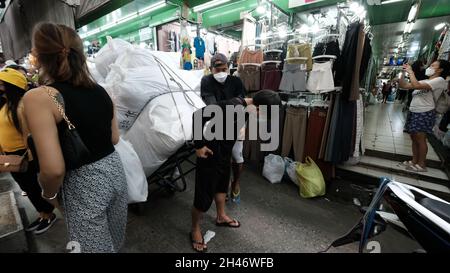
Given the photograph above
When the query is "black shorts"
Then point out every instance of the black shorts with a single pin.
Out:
(212, 176)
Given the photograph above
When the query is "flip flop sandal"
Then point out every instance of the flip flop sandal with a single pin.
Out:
(407, 163)
(420, 169)
(205, 248)
(411, 168)
(229, 224)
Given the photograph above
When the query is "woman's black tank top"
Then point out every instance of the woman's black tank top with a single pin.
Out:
(90, 110)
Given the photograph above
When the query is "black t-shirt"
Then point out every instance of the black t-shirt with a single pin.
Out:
(212, 91)
(91, 112)
(231, 92)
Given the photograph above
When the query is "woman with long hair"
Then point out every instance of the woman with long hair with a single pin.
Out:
(13, 85)
(93, 196)
(422, 115)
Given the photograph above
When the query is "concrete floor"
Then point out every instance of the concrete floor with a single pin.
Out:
(274, 219)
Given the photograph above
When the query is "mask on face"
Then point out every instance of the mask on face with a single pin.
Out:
(429, 72)
(221, 77)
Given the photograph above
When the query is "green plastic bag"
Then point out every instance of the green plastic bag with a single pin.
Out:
(312, 183)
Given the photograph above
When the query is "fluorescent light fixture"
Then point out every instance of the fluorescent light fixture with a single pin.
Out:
(153, 7)
(209, 5)
(390, 2)
(439, 26)
(261, 9)
(126, 18)
(86, 43)
(412, 13)
(85, 28)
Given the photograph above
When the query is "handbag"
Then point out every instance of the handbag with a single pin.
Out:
(13, 163)
(75, 152)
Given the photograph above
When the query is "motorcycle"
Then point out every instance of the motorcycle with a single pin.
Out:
(416, 213)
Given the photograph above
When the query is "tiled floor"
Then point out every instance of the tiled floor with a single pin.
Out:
(383, 131)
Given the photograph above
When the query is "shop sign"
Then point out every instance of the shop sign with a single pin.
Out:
(145, 34)
(298, 3)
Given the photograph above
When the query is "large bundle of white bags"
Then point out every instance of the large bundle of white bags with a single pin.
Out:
(154, 98)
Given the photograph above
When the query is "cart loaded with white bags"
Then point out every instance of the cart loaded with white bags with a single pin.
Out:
(154, 101)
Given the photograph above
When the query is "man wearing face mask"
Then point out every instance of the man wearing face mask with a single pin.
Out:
(214, 157)
(220, 86)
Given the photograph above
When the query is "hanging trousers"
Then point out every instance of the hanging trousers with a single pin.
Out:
(294, 133)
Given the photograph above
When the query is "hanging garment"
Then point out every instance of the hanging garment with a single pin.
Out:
(294, 132)
(367, 54)
(251, 56)
(200, 48)
(250, 76)
(359, 126)
(332, 131)
(346, 65)
(270, 76)
(354, 90)
(330, 48)
(343, 137)
(272, 56)
(316, 125)
(325, 139)
(321, 78)
(300, 50)
(294, 78)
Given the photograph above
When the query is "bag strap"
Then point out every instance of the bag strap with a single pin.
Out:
(60, 107)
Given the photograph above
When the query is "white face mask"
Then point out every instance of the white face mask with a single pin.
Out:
(221, 77)
(430, 72)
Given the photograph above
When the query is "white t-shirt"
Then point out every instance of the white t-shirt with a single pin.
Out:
(423, 100)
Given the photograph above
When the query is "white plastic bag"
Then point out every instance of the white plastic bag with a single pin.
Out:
(291, 166)
(136, 180)
(108, 55)
(273, 168)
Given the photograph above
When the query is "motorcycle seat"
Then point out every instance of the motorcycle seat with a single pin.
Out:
(439, 208)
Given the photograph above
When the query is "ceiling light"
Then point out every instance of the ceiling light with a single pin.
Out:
(390, 2)
(261, 9)
(439, 26)
(86, 43)
(85, 28)
(412, 13)
(209, 5)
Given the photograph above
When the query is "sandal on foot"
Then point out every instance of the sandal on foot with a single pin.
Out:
(205, 248)
(407, 163)
(420, 169)
(232, 224)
